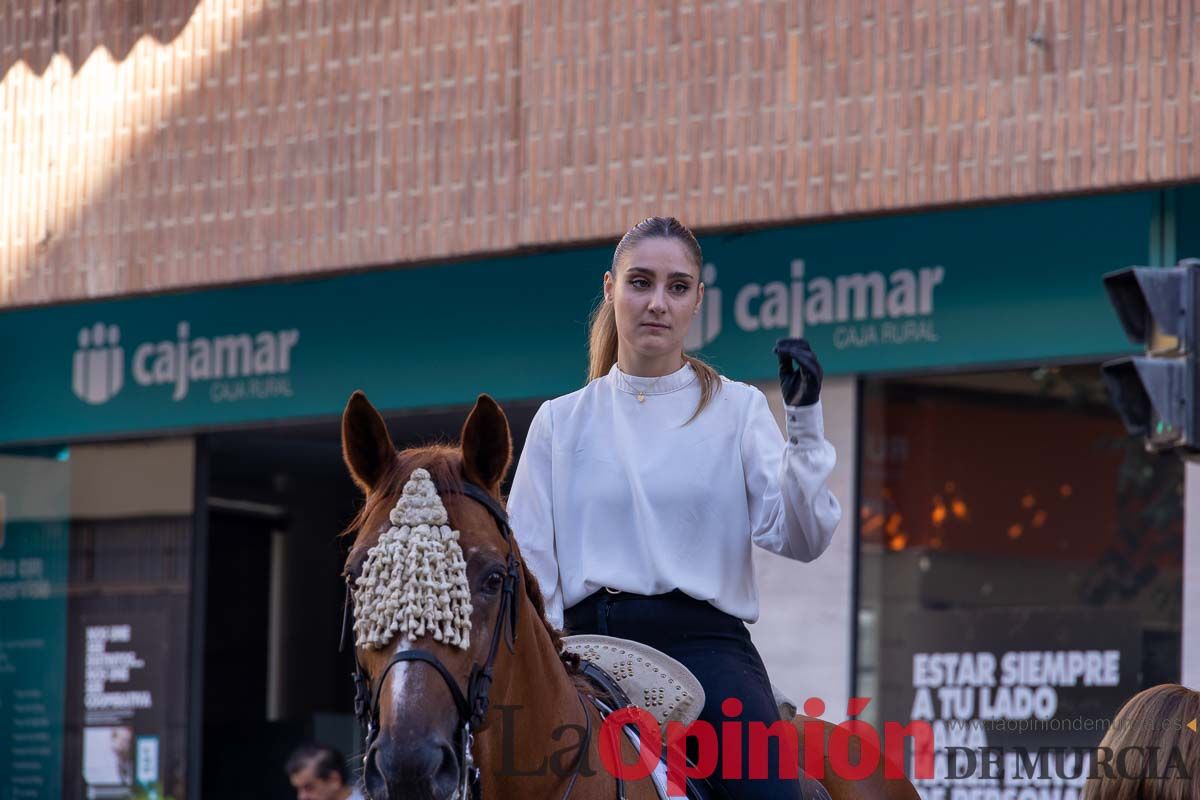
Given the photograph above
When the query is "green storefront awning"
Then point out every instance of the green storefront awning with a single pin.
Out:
(972, 286)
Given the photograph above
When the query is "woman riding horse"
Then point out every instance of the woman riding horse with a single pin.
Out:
(461, 683)
(637, 498)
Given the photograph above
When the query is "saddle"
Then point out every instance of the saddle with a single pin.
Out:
(638, 675)
(634, 674)
(619, 670)
(625, 673)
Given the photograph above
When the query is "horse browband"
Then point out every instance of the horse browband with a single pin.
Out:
(473, 706)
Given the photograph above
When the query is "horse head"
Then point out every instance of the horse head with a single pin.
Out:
(432, 594)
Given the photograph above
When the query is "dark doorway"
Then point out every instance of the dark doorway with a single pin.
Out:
(273, 677)
(237, 646)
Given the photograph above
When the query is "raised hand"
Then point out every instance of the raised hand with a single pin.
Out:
(800, 372)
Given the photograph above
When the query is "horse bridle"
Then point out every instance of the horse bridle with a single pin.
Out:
(472, 706)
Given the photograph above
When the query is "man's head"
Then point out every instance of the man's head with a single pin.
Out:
(317, 772)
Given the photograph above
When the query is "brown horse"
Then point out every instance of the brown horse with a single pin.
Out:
(527, 743)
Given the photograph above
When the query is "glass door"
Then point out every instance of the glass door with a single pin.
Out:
(34, 539)
(96, 558)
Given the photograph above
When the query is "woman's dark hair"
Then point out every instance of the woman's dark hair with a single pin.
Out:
(1153, 727)
(324, 760)
(602, 334)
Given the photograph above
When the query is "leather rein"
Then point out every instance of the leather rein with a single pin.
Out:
(473, 705)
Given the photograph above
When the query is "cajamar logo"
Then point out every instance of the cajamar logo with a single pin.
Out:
(864, 309)
(236, 366)
(99, 366)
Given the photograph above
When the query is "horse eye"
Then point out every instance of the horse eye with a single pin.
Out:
(493, 582)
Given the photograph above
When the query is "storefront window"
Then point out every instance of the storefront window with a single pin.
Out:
(95, 603)
(35, 498)
(1020, 563)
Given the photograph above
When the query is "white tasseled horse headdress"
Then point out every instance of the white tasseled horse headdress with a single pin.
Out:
(414, 581)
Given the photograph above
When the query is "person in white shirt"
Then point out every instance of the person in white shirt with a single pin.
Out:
(637, 498)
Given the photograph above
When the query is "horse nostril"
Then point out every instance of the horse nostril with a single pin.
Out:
(373, 780)
(428, 769)
(445, 780)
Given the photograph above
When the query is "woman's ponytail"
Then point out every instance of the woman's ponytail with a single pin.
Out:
(602, 340)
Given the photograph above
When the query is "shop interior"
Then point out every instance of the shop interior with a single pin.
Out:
(1010, 511)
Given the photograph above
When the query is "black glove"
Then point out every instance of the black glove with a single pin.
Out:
(801, 386)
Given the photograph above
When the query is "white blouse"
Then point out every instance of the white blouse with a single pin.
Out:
(612, 492)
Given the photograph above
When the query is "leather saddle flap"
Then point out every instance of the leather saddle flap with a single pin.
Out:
(651, 679)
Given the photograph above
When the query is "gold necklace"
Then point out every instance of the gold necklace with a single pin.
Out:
(641, 394)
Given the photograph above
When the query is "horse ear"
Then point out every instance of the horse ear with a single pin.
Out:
(366, 446)
(486, 445)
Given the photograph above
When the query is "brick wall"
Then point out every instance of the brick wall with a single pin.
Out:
(152, 145)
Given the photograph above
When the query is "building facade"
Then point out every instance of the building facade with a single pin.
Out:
(196, 143)
(220, 218)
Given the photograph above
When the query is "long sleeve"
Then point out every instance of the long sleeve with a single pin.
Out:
(792, 511)
(613, 492)
(531, 511)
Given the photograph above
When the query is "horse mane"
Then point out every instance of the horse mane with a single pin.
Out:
(444, 464)
(534, 591)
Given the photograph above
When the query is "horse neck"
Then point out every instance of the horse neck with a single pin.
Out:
(533, 698)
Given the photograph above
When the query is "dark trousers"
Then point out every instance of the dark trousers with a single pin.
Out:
(716, 647)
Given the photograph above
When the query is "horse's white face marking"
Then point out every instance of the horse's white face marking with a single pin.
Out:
(399, 677)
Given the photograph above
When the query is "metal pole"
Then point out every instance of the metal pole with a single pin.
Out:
(275, 627)
(199, 602)
(1191, 576)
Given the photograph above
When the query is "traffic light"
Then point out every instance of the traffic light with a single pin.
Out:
(1156, 394)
